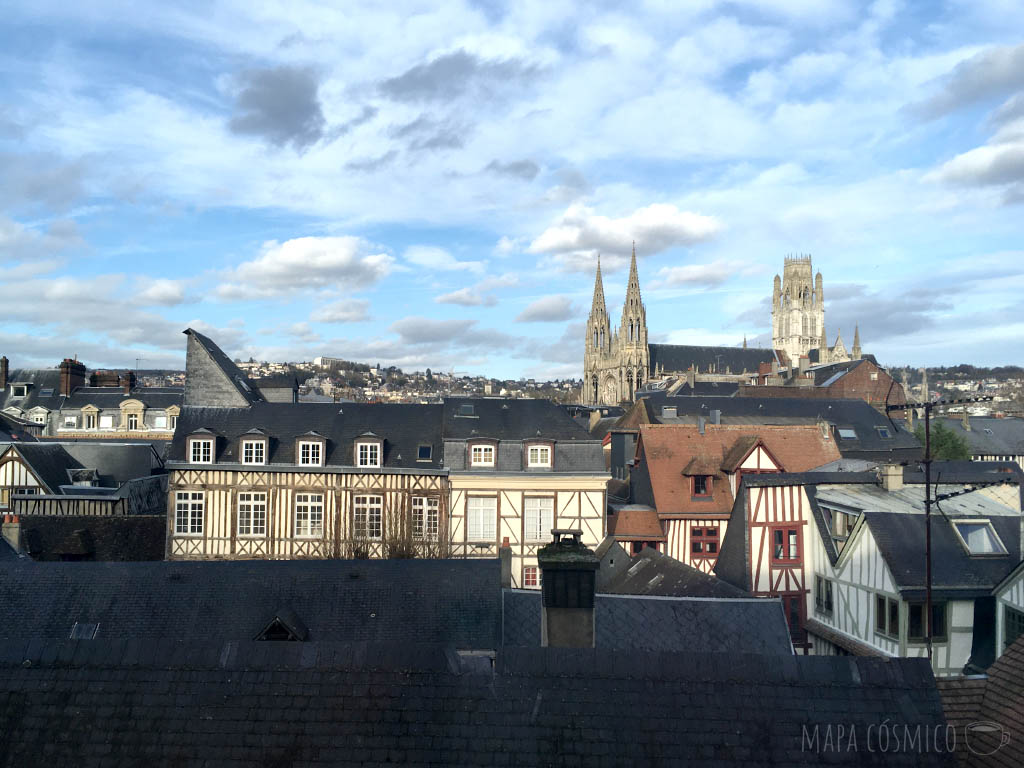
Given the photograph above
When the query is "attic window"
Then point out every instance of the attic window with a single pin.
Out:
(884, 433)
(466, 409)
(979, 537)
(424, 453)
(82, 631)
(846, 433)
(19, 390)
(285, 626)
(47, 392)
(669, 412)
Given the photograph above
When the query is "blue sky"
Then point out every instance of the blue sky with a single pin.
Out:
(428, 184)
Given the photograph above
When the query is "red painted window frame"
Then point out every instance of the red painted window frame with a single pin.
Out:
(536, 576)
(799, 559)
(708, 489)
(705, 539)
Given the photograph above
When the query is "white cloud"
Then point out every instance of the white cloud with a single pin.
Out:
(306, 263)
(432, 257)
(160, 291)
(549, 309)
(467, 297)
(698, 275)
(990, 73)
(344, 311)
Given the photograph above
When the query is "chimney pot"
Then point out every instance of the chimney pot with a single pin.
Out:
(568, 578)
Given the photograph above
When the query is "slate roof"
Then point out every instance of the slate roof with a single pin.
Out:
(677, 358)
(990, 436)
(15, 430)
(39, 379)
(443, 601)
(648, 623)
(115, 462)
(116, 538)
(402, 426)
(839, 413)
(239, 380)
(508, 419)
(277, 381)
(704, 388)
(290, 704)
(654, 573)
(112, 397)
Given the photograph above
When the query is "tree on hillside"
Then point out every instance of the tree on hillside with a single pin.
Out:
(946, 444)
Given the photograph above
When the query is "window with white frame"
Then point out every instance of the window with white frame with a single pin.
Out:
(252, 514)
(133, 421)
(19, 390)
(174, 421)
(979, 537)
(70, 422)
(538, 456)
(482, 513)
(367, 517)
(89, 420)
(310, 453)
(200, 451)
(160, 421)
(309, 515)
(39, 417)
(531, 577)
(424, 517)
(539, 517)
(107, 421)
(188, 513)
(481, 455)
(368, 454)
(254, 452)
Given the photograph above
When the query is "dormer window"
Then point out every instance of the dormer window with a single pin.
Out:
(311, 453)
(19, 390)
(701, 486)
(466, 409)
(538, 456)
(481, 455)
(200, 450)
(254, 451)
(978, 537)
(669, 412)
(368, 453)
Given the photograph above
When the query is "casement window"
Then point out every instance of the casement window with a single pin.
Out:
(701, 486)
(368, 454)
(539, 518)
(531, 577)
(89, 420)
(200, 451)
(1013, 625)
(39, 418)
(887, 616)
(310, 453)
(188, 513)
(704, 541)
(823, 595)
(424, 517)
(481, 455)
(916, 629)
(367, 517)
(132, 421)
(107, 421)
(70, 422)
(785, 545)
(254, 451)
(538, 456)
(160, 421)
(174, 422)
(309, 515)
(252, 514)
(481, 512)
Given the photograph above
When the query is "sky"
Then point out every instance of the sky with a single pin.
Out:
(429, 184)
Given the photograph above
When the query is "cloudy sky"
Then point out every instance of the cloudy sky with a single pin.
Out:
(429, 185)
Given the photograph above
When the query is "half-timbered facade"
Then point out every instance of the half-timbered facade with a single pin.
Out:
(316, 480)
(690, 474)
(1009, 597)
(518, 469)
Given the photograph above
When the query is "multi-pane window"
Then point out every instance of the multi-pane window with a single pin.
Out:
(887, 616)
(704, 541)
(39, 418)
(90, 420)
(916, 629)
(1013, 625)
(481, 456)
(823, 595)
(70, 422)
(309, 514)
(538, 456)
(539, 517)
(424, 517)
(188, 513)
(701, 485)
(367, 519)
(133, 421)
(368, 455)
(252, 514)
(531, 577)
(482, 512)
(254, 452)
(201, 451)
(311, 453)
(785, 545)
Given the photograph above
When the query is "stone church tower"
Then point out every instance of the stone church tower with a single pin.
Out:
(616, 365)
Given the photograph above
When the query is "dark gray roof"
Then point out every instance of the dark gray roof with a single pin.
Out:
(445, 601)
(241, 382)
(403, 428)
(866, 422)
(707, 389)
(15, 430)
(112, 397)
(508, 419)
(277, 381)
(88, 702)
(900, 537)
(39, 380)
(989, 436)
(115, 462)
(826, 375)
(7, 553)
(627, 622)
(653, 573)
(676, 358)
(120, 538)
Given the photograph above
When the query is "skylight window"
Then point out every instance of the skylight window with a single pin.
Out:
(845, 433)
(979, 537)
(466, 410)
(884, 432)
(83, 631)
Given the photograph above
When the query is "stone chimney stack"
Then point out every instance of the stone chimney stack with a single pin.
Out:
(72, 375)
(891, 476)
(568, 578)
(965, 420)
(505, 555)
(4, 371)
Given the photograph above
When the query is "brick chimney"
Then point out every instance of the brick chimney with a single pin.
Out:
(891, 476)
(72, 375)
(4, 363)
(128, 381)
(568, 576)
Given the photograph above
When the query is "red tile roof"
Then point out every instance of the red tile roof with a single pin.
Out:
(636, 522)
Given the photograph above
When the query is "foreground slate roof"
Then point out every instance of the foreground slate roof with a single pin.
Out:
(446, 601)
(509, 419)
(990, 436)
(628, 622)
(115, 462)
(303, 704)
(652, 573)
